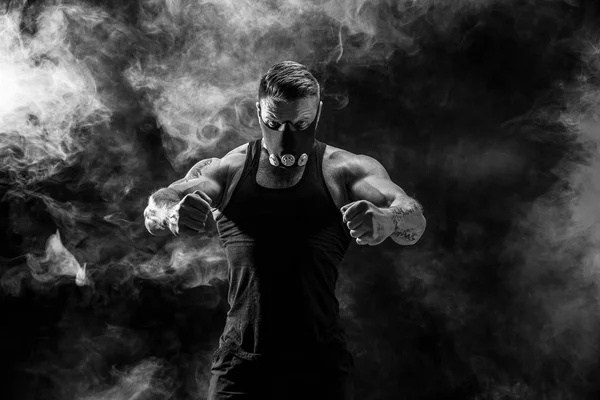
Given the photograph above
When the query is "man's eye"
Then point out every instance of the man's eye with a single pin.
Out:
(272, 125)
(302, 125)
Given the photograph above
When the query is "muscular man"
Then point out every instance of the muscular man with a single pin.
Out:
(287, 207)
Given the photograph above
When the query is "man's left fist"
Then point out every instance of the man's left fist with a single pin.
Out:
(367, 223)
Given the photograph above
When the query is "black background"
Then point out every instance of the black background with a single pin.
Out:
(484, 111)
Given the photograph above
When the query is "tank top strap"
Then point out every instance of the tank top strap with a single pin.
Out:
(256, 149)
(252, 158)
(319, 153)
(318, 171)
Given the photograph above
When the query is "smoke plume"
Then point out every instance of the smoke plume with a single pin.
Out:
(484, 111)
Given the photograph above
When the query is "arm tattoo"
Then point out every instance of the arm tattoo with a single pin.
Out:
(401, 215)
(198, 169)
(409, 235)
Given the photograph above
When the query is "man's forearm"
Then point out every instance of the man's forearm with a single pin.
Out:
(156, 214)
(409, 222)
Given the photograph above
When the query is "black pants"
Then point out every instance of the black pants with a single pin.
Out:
(239, 375)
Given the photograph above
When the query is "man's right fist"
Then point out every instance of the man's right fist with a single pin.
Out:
(190, 214)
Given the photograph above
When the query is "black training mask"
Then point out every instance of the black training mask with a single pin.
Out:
(289, 148)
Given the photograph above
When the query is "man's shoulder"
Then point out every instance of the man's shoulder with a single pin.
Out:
(219, 169)
(241, 149)
(335, 154)
(347, 163)
(338, 158)
(236, 157)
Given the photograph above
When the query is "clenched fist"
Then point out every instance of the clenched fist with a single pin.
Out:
(367, 223)
(190, 214)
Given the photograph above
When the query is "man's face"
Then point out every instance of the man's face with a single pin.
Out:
(277, 115)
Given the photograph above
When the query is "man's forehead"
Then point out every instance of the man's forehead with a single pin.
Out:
(304, 104)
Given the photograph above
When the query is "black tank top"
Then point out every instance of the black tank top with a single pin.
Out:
(283, 249)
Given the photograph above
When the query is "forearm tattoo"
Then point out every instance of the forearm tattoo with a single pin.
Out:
(404, 226)
(410, 235)
(198, 169)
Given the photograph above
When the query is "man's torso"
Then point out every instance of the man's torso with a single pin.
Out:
(284, 239)
(267, 176)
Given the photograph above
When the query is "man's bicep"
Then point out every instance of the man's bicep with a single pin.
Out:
(207, 176)
(380, 191)
(208, 168)
(368, 180)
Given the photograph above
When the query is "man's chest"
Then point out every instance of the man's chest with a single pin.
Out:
(331, 172)
(332, 176)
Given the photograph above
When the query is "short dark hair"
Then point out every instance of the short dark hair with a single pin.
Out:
(288, 81)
